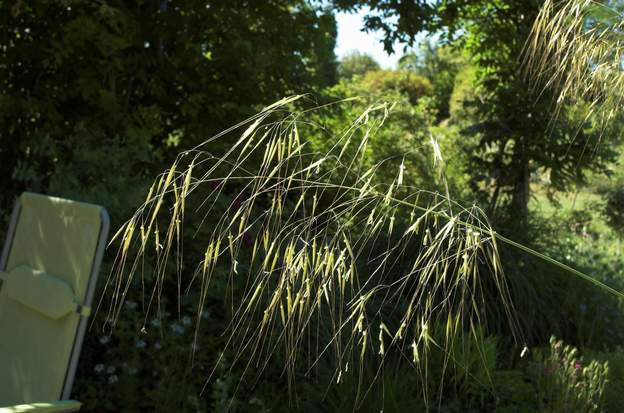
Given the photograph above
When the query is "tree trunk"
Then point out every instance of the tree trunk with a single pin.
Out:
(520, 197)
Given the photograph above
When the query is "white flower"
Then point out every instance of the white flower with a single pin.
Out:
(113, 379)
(104, 339)
(98, 368)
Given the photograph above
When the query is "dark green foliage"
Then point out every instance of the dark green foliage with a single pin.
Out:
(458, 382)
(152, 73)
(94, 96)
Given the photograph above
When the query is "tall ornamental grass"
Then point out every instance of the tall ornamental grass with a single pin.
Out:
(324, 261)
(576, 46)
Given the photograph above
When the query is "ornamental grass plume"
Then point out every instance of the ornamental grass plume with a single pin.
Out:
(326, 261)
(576, 47)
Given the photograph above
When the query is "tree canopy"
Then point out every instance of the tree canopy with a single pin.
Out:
(143, 77)
(514, 130)
(356, 63)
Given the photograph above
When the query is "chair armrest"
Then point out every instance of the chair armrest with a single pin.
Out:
(62, 406)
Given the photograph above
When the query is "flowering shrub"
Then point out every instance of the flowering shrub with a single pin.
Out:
(566, 382)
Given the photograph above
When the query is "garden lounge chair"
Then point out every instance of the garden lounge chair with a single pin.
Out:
(48, 272)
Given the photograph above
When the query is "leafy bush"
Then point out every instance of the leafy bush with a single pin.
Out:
(379, 82)
(514, 392)
(356, 64)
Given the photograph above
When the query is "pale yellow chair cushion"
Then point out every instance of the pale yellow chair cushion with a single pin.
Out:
(50, 296)
(46, 276)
